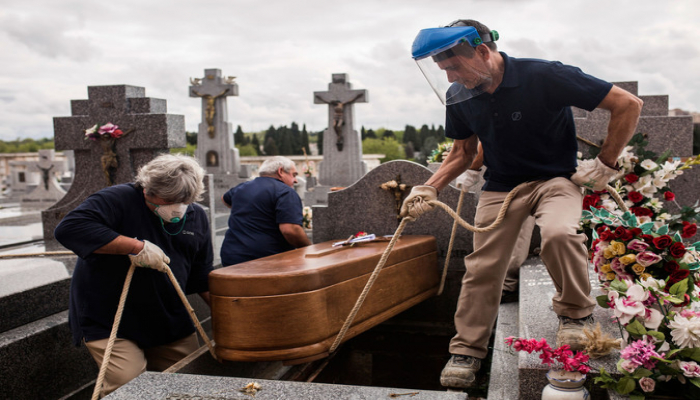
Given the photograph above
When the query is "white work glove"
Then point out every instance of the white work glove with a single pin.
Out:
(416, 204)
(151, 256)
(470, 178)
(593, 174)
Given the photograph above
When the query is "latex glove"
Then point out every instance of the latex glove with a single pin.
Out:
(593, 174)
(151, 256)
(471, 178)
(416, 204)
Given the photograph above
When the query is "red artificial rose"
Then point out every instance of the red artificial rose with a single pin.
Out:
(671, 267)
(601, 229)
(607, 236)
(648, 239)
(669, 196)
(641, 211)
(590, 200)
(662, 241)
(116, 134)
(686, 301)
(635, 197)
(679, 275)
(636, 231)
(677, 250)
(631, 178)
(622, 233)
(689, 230)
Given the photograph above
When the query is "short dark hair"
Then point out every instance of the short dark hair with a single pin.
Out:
(482, 29)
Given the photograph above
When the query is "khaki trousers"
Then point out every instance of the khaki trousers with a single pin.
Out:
(556, 206)
(520, 253)
(128, 361)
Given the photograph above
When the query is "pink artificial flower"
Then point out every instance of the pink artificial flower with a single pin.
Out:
(642, 353)
(647, 258)
(647, 384)
(690, 369)
(629, 366)
(619, 269)
(637, 245)
(107, 128)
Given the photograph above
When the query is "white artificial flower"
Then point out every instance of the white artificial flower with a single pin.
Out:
(648, 164)
(610, 205)
(643, 181)
(643, 219)
(691, 256)
(648, 190)
(655, 204)
(663, 216)
(658, 182)
(685, 331)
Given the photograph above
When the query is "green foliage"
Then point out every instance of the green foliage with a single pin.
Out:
(247, 150)
(188, 150)
(696, 139)
(25, 145)
(191, 138)
(391, 148)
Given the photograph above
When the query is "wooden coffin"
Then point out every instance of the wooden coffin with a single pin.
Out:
(290, 306)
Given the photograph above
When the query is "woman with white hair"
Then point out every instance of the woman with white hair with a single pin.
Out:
(266, 214)
(153, 223)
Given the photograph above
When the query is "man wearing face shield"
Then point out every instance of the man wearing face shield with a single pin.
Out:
(155, 224)
(519, 109)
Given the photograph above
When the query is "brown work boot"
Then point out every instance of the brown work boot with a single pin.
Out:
(571, 332)
(460, 371)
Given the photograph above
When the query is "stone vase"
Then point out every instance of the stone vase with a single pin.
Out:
(565, 385)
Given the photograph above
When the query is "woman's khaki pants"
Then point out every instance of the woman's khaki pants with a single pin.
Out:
(128, 361)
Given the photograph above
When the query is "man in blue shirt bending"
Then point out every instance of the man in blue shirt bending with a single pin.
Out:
(266, 214)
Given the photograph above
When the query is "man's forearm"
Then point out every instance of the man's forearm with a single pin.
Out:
(460, 158)
(625, 109)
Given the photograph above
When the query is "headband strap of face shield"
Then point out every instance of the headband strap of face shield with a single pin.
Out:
(447, 58)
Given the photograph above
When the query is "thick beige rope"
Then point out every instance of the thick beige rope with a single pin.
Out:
(390, 246)
(118, 317)
(458, 220)
(38, 254)
(113, 335)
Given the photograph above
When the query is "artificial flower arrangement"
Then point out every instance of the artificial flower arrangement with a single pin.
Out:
(440, 153)
(309, 168)
(649, 274)
(643, 185)
(106, 131)
(307, 219)
(560, 358)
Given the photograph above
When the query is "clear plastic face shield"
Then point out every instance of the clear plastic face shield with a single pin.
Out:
(448, 60)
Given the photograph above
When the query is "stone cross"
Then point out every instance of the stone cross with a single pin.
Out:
(47, 167)
(215, 145)
(49, 191)
(342, 146)
(148, 132)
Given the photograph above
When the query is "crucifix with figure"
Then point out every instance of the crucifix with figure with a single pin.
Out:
(338, 96)
(151, 131)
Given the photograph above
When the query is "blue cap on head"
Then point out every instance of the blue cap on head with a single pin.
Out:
(432, 41)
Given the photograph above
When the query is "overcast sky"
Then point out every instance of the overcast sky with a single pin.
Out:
(281, 51)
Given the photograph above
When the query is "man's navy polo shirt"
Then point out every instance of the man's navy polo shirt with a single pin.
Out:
(526, 126)
(257, 209)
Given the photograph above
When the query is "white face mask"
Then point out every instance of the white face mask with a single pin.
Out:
(173, 213)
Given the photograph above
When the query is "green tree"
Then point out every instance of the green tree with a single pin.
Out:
(191, 138)
(256, 144)
(239, 137)
(246, 150)
(388, 134)
(391, 149)
(270, 147)
(305, 140)
(370, 134)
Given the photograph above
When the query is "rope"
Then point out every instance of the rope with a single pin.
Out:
(43, 253)
(458, 220)
(449, 247)
(390, 246)
(118, 317)
(113, 334)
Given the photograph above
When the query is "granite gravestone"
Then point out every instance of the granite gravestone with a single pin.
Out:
(49, 191)
(148, 130)
(215, 144)
(342, 163)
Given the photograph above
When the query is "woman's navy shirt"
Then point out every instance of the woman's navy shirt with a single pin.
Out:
(154, 314)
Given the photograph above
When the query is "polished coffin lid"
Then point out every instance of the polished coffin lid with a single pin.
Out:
(312, 267)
